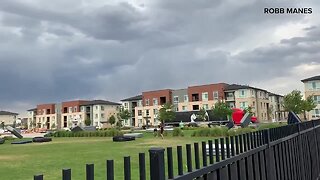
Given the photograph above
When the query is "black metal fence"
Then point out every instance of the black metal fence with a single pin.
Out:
(289, 152)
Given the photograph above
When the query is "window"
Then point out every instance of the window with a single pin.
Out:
(316, 99)
(155, 101)
(102, 115)
(314, 85)
(206, 106)
(102, 108)
(147, 112)
(147, 102)
(185, 98)
(140, 103)
(216, 95)
(176, 109)
(155, 111)
(316, 113)
(205, 96)
(184, 108)
(82, 109)
(175, 99)
(195, 97)
(242, 93)
(96, 116)
(70, 109)
(139, 112)
(195, 107)
(75, 109)
(126, 105)
(80, 117)
(96, 107)
(243, 105)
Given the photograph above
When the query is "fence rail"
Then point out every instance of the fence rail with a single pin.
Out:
(288, 152)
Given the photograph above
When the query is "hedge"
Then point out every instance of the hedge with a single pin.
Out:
(104, 133)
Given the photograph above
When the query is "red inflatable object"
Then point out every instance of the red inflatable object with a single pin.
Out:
(238, 114)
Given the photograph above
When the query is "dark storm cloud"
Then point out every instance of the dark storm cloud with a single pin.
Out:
(63, 50)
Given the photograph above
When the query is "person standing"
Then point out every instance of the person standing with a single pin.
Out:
(161, 130)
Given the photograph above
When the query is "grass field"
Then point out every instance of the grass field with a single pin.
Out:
(21, 162)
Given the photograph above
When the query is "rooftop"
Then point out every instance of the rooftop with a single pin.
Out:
(237, 86)
(8, 113)
(314, 78)
(134, 98)
(101, 102)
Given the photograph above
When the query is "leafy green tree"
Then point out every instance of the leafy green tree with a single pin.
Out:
(53, 125)
(112, 119)
(166, 113)
(294, 102)
(124, 114)
(87, 122)
(221, 110)
(308, 105)
(248, 110)
(202, 114)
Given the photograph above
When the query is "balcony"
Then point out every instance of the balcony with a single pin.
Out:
(230, 98)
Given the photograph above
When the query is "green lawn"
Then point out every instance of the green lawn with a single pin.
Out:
(21, 162)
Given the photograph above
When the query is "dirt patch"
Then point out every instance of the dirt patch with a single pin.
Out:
(11, 157)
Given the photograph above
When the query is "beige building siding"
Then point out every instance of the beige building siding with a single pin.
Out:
(8, 119)
(74, 118)
(42, 120)
(143, 113)
(311, 91)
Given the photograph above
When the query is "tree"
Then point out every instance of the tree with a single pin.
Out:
(112, 119)
(202, 114)
(166, 113)
(124, 114)
(308, 105)
(294, 102)
(221, 110)
(87, 122)
(53, 125)
(248, 110)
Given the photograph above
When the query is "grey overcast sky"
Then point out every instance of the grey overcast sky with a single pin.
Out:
(51, 51)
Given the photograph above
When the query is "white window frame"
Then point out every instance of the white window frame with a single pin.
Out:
(175, 99)
(186, 98)
(215, 95)
(203, 96)
(147, 102)
(155, 101)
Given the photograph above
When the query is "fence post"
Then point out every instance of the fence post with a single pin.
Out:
(301, 165)
(90, 171)
(66, 174)
(157, 169)
(110, 170)
(38, 177)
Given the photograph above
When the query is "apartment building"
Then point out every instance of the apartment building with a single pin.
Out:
(277, 111)
(31, 116)
(48, 115)
(205, 96)
(147, 114)
(73, 113)
(99, 112)
(312, 88)
(243, 96)
(130, 104)
(8, 118)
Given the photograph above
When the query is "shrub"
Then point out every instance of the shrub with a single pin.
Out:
(270, 125)
(103, 133)
(210, 132)
(177, 132)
